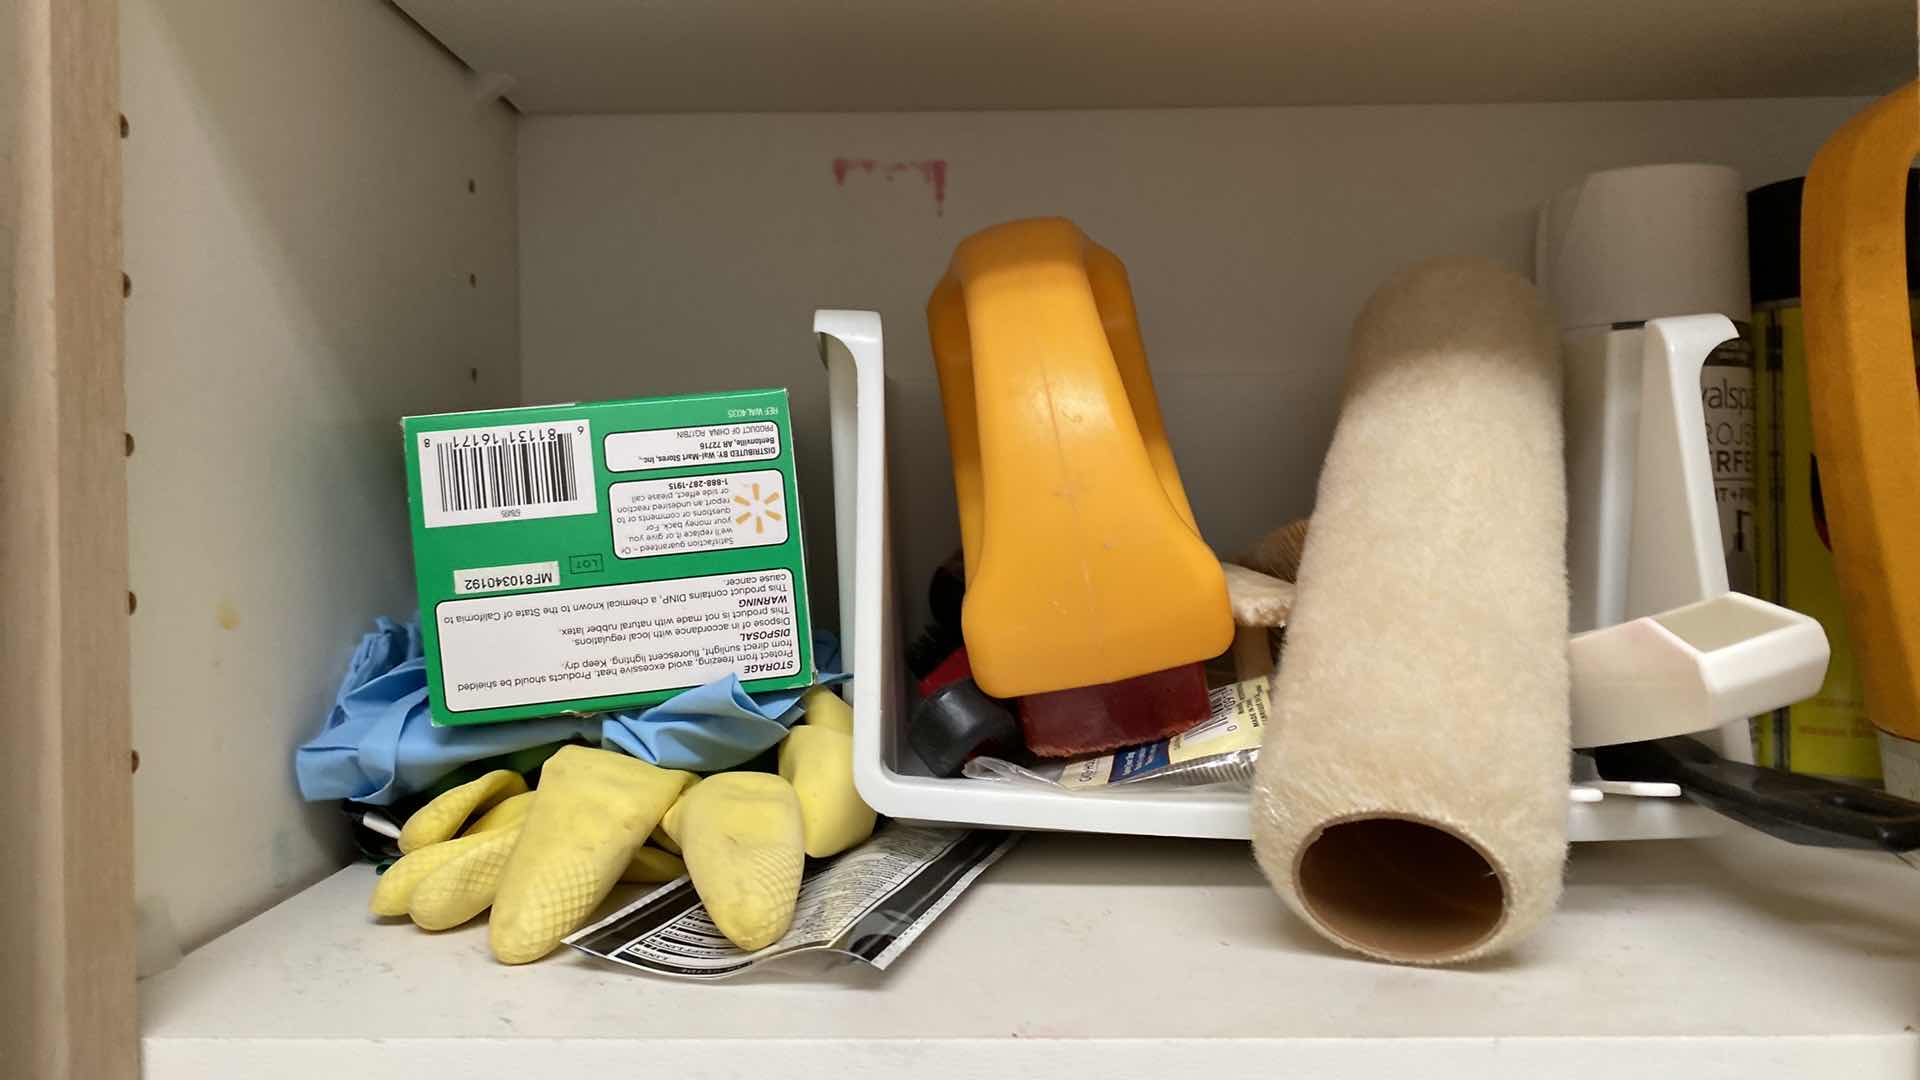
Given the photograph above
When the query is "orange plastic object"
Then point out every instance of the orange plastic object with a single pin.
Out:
(1083, 562)
(1860, 378)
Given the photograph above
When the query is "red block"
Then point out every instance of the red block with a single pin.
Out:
(951, 670)
(1089, 719)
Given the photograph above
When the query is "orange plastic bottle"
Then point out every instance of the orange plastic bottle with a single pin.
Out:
(1084, 566)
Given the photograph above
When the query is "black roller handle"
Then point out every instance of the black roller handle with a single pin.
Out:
(1798, 809)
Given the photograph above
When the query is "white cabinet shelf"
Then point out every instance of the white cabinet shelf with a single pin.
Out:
(1734, 957)
(574, 56)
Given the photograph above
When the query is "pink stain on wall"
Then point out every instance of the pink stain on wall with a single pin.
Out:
(843, 166)
(932, 173)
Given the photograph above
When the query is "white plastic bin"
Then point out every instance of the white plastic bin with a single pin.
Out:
(888, 774)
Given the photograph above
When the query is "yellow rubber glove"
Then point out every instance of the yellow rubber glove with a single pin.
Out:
(661, 840)
(744, 844)
(443, 885)
(818, 762)
(393, 893)
(594, 810)
(441, 819)
(650, 864)
(824, 709)
(506, 813)
(465, 885)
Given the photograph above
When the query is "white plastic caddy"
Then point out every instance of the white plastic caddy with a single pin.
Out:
(892, 781)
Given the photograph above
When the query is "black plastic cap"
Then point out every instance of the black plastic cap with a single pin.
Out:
(959, 722)
(948, 590)
(1773, 238)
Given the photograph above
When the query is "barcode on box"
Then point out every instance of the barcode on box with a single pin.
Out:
(470, 476)
(505, 474)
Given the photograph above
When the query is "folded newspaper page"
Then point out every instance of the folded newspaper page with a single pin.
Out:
(868, 904)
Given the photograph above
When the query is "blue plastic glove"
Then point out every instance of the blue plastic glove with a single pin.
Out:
(719, 725)
(379, 743)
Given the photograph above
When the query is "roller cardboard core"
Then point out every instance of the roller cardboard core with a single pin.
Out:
(1404, 890)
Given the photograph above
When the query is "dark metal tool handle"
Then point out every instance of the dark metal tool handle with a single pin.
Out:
(1799, 809)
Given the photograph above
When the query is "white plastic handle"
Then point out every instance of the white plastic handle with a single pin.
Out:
(1712, 663)
(1688, 654)
(1676, 557)
(847, 338)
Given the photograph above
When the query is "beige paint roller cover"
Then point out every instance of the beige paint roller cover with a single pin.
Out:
(1411, 799)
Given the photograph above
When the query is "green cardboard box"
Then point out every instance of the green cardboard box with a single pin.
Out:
(584, 558)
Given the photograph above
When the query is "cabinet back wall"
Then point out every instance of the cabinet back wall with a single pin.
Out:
(678, 253)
